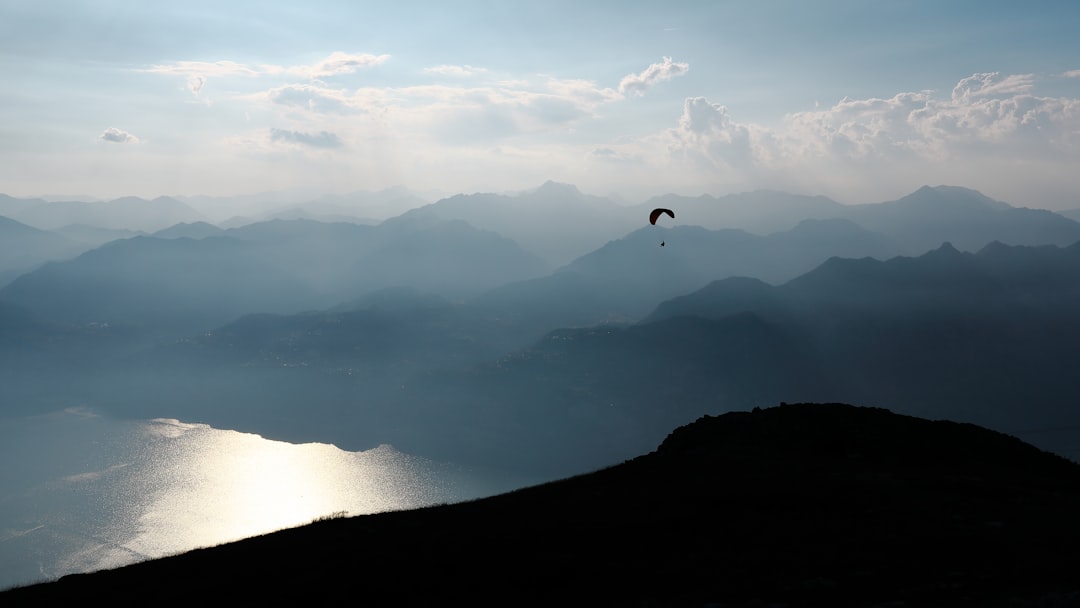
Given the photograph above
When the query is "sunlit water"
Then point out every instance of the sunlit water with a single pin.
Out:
(81, 492)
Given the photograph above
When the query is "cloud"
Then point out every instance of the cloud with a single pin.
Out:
(112, 134)
(195, 83)
(337, 63)
(455, 70)
(313, 98)
(991, 84)
(707, 134)
(637, 84)
(203, 68)
(991, 131)
(322, 139)
(198, 73)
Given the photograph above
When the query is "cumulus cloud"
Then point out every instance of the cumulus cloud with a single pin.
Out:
(114, 135)
(322, 139)
(637, 84)
(708, 134)
(986, 128)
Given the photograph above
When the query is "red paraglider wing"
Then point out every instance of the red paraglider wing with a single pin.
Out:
(657, 212)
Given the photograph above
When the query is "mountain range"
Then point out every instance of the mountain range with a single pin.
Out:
(454, 341)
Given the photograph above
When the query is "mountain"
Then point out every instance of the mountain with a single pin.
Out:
(93, 236)
(164, 285)
(626, 278)
(983, 337)
(180, 286)
(916, 223)
(969, 220)
(127, 213)
(195, 230)
(555, 221)
(796, 505)
(360, 206)
(758, 212)
(22, 248)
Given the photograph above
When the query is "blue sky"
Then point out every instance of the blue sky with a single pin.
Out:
(860, 101)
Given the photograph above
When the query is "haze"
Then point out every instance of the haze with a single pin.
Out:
(860, 102)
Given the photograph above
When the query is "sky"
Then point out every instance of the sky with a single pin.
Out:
(857, 100)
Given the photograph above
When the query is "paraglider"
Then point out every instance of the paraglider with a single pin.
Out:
(655, 215)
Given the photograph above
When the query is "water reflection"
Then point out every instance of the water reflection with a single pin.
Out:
(87, 492)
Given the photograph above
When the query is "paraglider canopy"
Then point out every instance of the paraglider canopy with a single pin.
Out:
(656, 213)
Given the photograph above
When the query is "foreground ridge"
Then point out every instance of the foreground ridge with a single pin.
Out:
(802, 504)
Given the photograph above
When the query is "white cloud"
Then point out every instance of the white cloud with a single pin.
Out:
(991, 84)
(114, 135)
(637, 84)
(707, 134)
(337, 63)
(455, 70)
(984, 132)
(203, 68)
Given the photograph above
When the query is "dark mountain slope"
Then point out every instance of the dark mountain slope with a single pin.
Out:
(986, 337)
(797, 505)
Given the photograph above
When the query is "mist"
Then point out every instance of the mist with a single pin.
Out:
(489, 328)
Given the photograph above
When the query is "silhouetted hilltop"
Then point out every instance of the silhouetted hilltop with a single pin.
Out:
(796, 505)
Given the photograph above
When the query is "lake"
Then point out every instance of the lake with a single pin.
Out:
(81, 491)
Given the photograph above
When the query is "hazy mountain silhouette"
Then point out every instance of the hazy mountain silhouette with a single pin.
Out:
(555, 221)
(984, 337)
(797, 505)
(179, 286)
(360, 206)
(93, 236)
(23, 248)
(128, 213)
(758, 212)
(969, 220)
(626, 278)
(916, 223)
(194, 230)
(500, 363)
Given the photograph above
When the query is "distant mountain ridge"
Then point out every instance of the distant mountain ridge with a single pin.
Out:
(130, 213)
(23, 248)
(189, 285)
